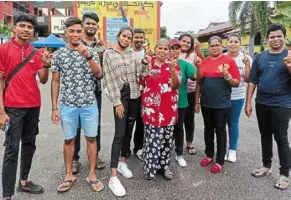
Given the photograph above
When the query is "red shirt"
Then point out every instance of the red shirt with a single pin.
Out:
(215, 90)
(23, 91)
(159, 100)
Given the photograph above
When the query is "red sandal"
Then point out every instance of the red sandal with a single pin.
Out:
(205, 162)
(216, 168)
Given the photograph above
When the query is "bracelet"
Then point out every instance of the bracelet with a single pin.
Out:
(47, 66)
(54, 109)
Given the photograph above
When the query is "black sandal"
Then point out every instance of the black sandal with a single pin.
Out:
(191, 150)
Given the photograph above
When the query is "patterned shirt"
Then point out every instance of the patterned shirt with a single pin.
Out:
(159, 100)
(100, 50)
(76, 77)
(120, 69)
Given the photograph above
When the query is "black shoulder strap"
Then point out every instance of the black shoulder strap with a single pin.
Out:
(21, 65)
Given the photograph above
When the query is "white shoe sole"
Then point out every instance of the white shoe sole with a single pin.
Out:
(117, 194)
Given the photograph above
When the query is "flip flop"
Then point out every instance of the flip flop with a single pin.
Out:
(168, 174)
(100, 164)
(96, 185)
(216, 168)
(262, 171)
(282, 183)
(191, 150)
(63, 187)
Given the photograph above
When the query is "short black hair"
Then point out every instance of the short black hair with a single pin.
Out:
(72, 21)
(90, 15)
(215, 38)
(25, 18)
(138, 30)
(276, 27)
(191, 49)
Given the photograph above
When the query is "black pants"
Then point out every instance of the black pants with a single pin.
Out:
(274, 120)
(138, 134)
(215, 119)
(98, 137)
(189, 120)
(24, 128)
(123, 126)
(179, 132)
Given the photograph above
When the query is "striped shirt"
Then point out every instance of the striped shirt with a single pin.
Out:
(120, 69)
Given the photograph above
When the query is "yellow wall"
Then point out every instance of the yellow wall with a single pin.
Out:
(107, 10)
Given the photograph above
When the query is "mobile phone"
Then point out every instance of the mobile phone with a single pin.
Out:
(6, 127)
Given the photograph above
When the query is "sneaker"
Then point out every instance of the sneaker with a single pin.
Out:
(124, 170)
(116, 187)
(30, 187)
(181, 161)
(139, 154)
(231, 156)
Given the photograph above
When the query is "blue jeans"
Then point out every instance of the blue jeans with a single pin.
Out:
(70, 120)
(233, 122)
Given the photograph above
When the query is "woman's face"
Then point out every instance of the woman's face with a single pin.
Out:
(185, 43)
(233, 44)
(215, 48)
(162, 51)
(125, 38)
(175, 51)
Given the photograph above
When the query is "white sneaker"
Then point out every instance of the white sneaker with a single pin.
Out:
(232, 156)
(181, 161)
(116, 187)
(123, 169)
(226, 157)
(139, 154)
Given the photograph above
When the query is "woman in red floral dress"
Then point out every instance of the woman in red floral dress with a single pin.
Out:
(159, 110)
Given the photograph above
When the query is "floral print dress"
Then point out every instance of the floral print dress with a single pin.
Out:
(160, 114)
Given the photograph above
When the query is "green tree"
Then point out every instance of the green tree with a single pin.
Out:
(281, 13)
(5, 29)
(163, 32)
(251, 17)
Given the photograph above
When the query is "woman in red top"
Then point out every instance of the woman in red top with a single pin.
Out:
(159, 111)
(219, 74)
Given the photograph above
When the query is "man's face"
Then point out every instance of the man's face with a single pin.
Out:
(23, 30)
(276, 39)
(138, 40)
(90, 27)
(74, 34)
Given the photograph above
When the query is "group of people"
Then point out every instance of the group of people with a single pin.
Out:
(159, 94)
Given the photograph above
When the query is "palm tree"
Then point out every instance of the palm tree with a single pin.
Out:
(250, 16)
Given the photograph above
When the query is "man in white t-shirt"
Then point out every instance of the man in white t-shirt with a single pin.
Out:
(138, 41)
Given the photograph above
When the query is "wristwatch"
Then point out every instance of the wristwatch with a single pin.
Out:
(228, 77)
(90, 57)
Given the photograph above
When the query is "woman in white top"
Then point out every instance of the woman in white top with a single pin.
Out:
(238, 94)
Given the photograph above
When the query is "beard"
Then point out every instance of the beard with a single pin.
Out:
(90, 34)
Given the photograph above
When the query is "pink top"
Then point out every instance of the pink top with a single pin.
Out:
(191, 85)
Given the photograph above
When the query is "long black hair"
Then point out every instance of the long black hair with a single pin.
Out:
(191, 49)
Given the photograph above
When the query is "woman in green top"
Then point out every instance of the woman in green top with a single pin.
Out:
(188, 71)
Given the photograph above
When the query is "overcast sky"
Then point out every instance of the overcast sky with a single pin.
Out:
(186, 15)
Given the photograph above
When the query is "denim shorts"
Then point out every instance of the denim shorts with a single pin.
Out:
(70, 120)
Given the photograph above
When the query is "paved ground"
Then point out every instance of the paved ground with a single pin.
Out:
(192, 182)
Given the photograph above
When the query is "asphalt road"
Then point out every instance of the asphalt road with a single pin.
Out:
(192, 182)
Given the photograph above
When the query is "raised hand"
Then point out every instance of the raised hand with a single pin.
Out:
(287, 60)
(83, 51)
(246, 60)
(46, 57)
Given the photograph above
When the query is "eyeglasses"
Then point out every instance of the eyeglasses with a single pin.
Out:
(215, 46)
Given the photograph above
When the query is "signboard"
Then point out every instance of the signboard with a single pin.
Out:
(58, 24)
(113, 25)
(142, 14)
